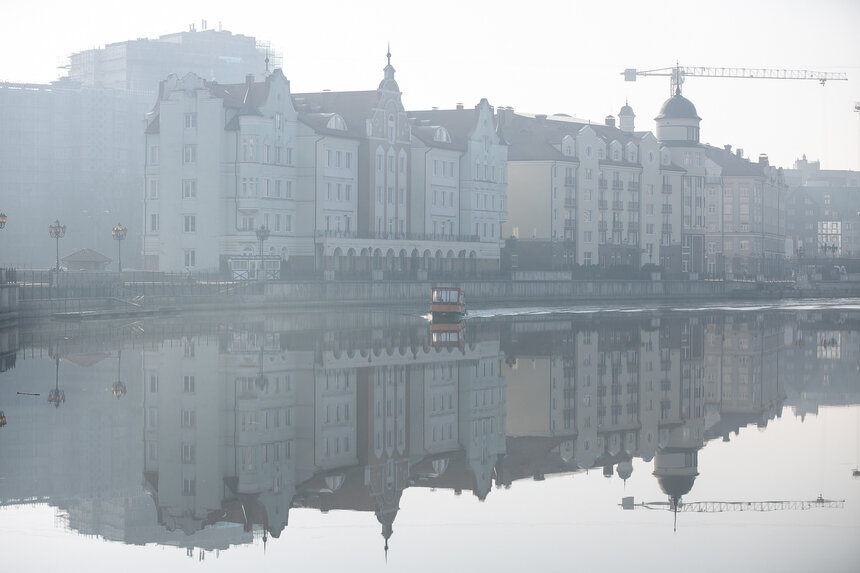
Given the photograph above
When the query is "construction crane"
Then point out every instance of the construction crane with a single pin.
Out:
(677, 73)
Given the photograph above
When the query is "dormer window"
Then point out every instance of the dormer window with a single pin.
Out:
(336, 122)
(442, 135)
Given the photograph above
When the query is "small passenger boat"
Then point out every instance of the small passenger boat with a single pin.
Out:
(447, 304)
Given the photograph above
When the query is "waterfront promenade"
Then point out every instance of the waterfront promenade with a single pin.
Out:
(94, 296)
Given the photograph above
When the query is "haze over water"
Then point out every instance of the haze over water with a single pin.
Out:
(310, 440)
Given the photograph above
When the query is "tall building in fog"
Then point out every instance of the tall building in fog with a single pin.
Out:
(73, 150)
(139, 65)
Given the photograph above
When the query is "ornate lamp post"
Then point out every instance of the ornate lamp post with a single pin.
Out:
(119, 232)
(262, 234)
(57, 232)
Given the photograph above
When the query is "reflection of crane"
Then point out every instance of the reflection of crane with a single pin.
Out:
(675, 505)
(723, 506)
(678, 73)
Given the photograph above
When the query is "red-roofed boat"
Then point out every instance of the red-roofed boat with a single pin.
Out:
(447, 304)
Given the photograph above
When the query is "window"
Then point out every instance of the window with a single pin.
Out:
(189, 189)
(586, 237)
(153, 189)
(190, 225)
(189, 153)
(153, 222)
(348, 159)
(587, 258)
(189, 487)
(348, 191)
(153, 383)
(289, 156)
(189, 418)
(153, 155)
(288, 223)
(288, 191)
(190, 120)
(188, 384)
(188, 453)
(190, 256)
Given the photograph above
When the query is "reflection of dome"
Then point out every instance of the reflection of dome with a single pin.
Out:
(678, 107)
(624, 469)
(676, 486)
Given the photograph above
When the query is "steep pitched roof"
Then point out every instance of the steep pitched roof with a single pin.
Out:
(732, 165)
(460, 124)
(355, 107)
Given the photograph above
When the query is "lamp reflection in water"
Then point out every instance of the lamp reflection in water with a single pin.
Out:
(56, 396)
(118, 388)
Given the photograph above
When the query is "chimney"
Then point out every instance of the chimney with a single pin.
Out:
(249, 79)
(763, 160)
(540, 116)
(739, 152)
(506, 114)
(459, 106)
(610, 121)
(728, 147)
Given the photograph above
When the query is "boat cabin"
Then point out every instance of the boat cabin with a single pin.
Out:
(447, 303)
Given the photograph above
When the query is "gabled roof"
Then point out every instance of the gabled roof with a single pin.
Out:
(355, 107)
(460, 124)
(732, 165)
(86, 256)
(534, 138)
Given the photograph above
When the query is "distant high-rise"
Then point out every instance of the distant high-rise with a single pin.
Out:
(139, 65)
(73, 150)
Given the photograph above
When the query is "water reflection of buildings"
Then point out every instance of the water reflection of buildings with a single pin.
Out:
(243, 421)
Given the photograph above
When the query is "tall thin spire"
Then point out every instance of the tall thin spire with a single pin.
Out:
(388, 55)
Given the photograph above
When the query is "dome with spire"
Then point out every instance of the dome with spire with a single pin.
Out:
(626, 110)
(678, 107)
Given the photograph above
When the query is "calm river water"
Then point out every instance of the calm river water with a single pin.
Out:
(370, 440)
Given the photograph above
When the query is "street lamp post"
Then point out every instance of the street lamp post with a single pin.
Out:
(262, 234)
(57, 232)
(119, 232)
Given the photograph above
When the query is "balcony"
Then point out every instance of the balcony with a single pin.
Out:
(602, 226)
(633, 186)
(632, 227)
(618, 205)
(570, 202)
(569, 225)
(667, 229)
(602, 183)
(601, 204)
(618, 185)
(633, 205)
(667, 188)
(666, 209)
(617, 226)
(570, 181)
